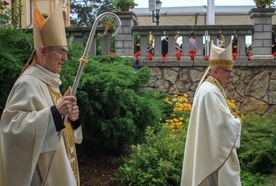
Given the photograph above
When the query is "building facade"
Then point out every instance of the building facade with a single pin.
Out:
(45, 6)
(196, 15)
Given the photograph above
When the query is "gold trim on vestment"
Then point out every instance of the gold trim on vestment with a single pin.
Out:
(215, 82)
(69, 139)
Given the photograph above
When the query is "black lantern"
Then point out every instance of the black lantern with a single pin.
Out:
(158, 7)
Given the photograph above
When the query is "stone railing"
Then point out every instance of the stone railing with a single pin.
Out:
(184, 32)
(80, 34)
(254, 85)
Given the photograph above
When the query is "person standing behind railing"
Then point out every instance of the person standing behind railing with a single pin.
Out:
(235, 44)
(273, 43)
(192, 41)
(220, 40)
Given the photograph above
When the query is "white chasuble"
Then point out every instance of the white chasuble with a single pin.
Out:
(210, 156)
(28, 134)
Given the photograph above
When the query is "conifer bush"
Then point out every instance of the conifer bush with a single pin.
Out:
(16, 47)
(115, 105)
(258, 150)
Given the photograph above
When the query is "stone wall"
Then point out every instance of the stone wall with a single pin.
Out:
(253, 86)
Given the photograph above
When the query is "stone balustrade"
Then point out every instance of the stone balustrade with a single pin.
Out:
(253, 86)
(184, 32)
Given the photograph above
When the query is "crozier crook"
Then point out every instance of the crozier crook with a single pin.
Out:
(83, 60)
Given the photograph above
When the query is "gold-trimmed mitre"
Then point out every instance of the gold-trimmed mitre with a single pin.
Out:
(221, 57)
(49, 31)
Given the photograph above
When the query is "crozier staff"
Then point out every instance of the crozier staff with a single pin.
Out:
(34, 114)
(213, 136)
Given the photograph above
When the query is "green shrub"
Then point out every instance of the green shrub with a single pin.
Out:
(70, 67)
(158, 161)
(258, 151)
(115, 105)
(257, 179)
(16, 48)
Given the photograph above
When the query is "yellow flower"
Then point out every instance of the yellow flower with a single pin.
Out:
(180, 110)
(175, 120)
(174, 99)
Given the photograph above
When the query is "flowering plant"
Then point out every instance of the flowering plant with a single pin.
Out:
(235, 54)
(233, 108)
(124, 5)
(249, 55)
(178, 54)
(263, 3)
(181, 109)
(165, 56)
(150, 55)
(11, 14)
(112, 53)
(137, 54)
(192, 53)
(3, 9)
(3, 6)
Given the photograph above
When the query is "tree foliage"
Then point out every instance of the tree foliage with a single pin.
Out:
(16, 48)
(83, 13)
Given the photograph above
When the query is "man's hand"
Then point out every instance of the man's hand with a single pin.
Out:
(68, 106)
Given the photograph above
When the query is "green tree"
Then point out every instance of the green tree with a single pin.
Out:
(83, 13)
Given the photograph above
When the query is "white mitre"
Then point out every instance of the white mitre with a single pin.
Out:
(49, 31)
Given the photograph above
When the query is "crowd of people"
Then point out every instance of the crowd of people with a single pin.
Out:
(192, 44)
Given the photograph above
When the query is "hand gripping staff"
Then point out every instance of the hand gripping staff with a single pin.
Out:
(83, 61)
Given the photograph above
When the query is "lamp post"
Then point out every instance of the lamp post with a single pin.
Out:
(158, 7)
(206, 36)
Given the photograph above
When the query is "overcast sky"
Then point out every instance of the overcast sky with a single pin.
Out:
(177, 3)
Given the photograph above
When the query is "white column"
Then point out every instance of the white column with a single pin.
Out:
(210, 12)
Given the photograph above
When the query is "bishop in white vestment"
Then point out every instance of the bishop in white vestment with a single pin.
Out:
(34, 115)
(213, 136)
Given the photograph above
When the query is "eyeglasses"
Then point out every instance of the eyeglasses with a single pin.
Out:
(60, 50)
(229, 72)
